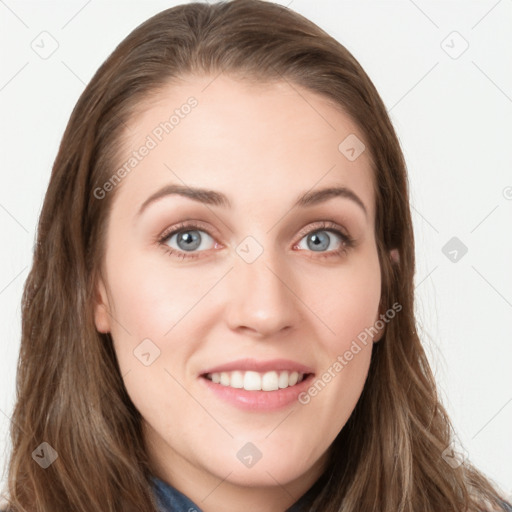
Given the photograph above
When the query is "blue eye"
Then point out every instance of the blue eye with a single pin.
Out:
(190, 240)
(320, 240)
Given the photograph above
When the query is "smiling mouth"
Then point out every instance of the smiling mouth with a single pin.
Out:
(257, 381)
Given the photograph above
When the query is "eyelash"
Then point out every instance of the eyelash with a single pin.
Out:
(347, 242)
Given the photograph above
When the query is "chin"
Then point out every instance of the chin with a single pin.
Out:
(276, 467)
(261, 478)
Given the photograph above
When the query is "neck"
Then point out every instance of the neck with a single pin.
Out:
(212, 493)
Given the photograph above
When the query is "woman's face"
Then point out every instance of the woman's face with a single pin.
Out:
(256, 287)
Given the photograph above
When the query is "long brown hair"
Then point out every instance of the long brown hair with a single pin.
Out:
(70, 393)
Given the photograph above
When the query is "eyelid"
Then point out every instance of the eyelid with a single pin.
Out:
(188, 225)
(322, 225)
(306, 230)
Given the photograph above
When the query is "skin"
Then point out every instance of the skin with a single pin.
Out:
(262, 146)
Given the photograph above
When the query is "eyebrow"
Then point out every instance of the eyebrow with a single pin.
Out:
(214, 198)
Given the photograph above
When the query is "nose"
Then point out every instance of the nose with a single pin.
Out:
(262, 296)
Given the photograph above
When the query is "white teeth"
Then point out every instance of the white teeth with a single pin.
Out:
(254, 381)
(283, 380)
(237, 380)
(270, 381)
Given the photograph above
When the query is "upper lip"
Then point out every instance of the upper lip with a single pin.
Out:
(259, 366)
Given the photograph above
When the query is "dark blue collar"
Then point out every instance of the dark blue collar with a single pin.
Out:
(170, 499)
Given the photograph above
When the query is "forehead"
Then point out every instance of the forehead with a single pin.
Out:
(256, 142)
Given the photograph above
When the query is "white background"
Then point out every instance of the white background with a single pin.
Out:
(453, 117)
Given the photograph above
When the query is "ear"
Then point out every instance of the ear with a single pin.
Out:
(378, 321)
(101, 308)
(394, 256)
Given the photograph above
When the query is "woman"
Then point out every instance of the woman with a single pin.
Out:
(220, 310)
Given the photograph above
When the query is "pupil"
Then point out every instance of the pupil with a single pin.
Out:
(317, 241)
(191, 239)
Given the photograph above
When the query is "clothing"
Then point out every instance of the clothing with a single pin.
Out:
(171, 500)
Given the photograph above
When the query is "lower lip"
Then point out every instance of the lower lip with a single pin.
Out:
(258, 400)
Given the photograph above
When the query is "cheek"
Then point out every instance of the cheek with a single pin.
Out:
(163, 305)
(153, 314)
(347, 301)
(149, 297)
(349, 305)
